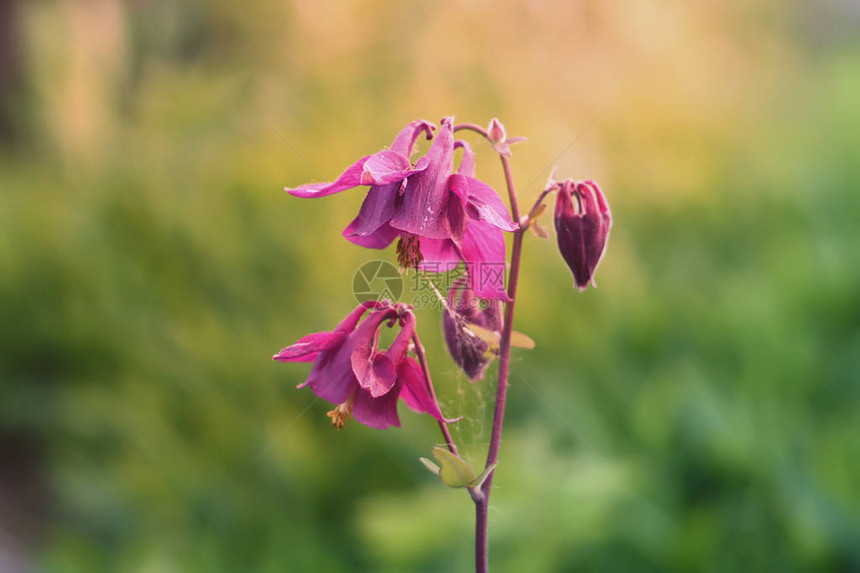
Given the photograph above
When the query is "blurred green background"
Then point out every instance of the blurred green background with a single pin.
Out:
(700, 411)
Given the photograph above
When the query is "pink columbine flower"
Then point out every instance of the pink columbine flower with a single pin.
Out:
(438, 216)
(582, 228)
(362, 380)
(464, 309)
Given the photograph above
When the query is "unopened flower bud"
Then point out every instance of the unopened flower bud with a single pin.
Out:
(499, 139)
(582, 223)
(469, 349)
(496, 131)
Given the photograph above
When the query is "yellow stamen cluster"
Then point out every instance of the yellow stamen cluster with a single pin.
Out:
(341, 413)
(409, 252)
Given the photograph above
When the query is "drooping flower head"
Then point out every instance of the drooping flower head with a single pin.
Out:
(362, 380)
(582, 223)
(427, 206)
(464, 311)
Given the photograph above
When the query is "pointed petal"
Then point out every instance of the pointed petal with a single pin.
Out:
(405, 140)
(603, 206)
(309, 347)
(458, 214)
(564, 202)
(378, 239)
(482, 202)
(423, 211)
(440, 255)
(415, 392)
(349, 323)
(484, 254)
(347, 180)
(365, 333)
(376, 209)
(467, 164)
(397, 351)
(385, 167)
(370, 228)
(330, 382)
(379, 413)
(502, 148)
(310, 344)
(590, 208)
(312, 357)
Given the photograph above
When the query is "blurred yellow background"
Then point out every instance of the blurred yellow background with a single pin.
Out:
(699, 411)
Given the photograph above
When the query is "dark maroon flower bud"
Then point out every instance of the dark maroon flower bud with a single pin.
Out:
(469, 346)
(582, 223)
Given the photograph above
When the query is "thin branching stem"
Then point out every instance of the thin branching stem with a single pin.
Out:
(472, 127)
(482, 500)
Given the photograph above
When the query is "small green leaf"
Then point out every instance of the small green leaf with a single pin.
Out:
(539, 230)
(479, 481)
(433, 468)
(454, 472)
(491, 337)
(520, 340)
